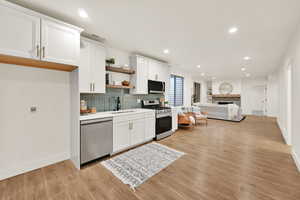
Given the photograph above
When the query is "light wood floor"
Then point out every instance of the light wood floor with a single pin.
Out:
(223, 161)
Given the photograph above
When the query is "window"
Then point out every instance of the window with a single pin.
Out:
(197, 91)
(176, 90)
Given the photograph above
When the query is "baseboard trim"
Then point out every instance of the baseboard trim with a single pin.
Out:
(296, 159)
(26, 167)
(283, 132)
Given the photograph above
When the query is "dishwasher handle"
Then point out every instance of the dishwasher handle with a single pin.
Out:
(92, 121)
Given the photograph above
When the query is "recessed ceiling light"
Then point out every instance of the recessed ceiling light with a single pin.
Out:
(166, 51)
(243, 69)
(247, 58)
(248, 75)
(202, 74)
(82, 13)
(199, 66)
(233, 30)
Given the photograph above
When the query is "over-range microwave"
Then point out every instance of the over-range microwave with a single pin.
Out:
(156, 87)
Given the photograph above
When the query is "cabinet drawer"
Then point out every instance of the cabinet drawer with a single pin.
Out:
(129, 117)
(150, 115)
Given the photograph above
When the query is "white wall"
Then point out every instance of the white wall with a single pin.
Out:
(32, 140)
(292, 56)
(237, 86)
(272, 95)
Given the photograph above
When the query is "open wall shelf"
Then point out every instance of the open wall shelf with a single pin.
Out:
(119, 70)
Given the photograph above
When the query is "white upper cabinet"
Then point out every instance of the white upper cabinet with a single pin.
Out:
(147, 69)
(20, 33)
(85, 71)
(92, 67)
(60, 43)
(157, 71)
(140, 78)
(154, 70)
(98, 69)
(28, 34)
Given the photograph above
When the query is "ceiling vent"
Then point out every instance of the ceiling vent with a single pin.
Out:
(93, 37)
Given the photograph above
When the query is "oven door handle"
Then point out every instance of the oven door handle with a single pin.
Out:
(159, 116)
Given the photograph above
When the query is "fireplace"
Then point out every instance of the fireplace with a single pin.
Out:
(225, 102)
(227, 99)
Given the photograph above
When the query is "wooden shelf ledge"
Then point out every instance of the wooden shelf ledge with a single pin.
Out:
(119, 86)
(119, 70)
(35, 63)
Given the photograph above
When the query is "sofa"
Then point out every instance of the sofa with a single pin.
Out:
(230, 112)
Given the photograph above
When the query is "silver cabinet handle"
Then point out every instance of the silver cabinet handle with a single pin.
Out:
(91, 87)
(38, 51)
(43, 51)
(94, 87)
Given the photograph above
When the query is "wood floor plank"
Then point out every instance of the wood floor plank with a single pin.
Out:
(223, 161)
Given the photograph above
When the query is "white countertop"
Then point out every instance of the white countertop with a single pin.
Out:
(99, 115)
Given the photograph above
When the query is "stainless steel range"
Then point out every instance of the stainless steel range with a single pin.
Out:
(163, 125)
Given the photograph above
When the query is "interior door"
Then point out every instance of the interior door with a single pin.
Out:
(258, 100)
(137, 131)
(20, 34)
(60, 43)
(85, 78)
(98, 69)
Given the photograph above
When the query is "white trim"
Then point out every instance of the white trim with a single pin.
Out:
(283, 132)
(26, 167)
(296, 159)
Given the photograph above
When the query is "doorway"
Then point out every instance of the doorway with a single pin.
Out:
(258, 100)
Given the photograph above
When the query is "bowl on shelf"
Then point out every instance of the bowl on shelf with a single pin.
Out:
(125, 83)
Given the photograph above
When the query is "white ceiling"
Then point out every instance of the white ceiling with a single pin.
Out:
(195, 31)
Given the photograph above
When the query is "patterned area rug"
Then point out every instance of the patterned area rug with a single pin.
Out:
(136, 166)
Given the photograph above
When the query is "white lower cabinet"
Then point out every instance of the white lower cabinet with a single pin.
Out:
(149, 128)
(132, 130)
(137, 135)
(121, 136)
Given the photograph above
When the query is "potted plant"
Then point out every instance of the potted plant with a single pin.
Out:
(110, 62)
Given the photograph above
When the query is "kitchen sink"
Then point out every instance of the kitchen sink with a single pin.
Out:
(122, 112)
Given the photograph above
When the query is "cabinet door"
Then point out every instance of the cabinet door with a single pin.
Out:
(60, 44)
(98, 69)
(85, 79)
(142, 76)
(149, 128)
(20, 34)
(137, 131)
(152, 70)
(121, 138)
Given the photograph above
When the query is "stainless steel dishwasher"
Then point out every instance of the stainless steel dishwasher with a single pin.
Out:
(96, 139)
